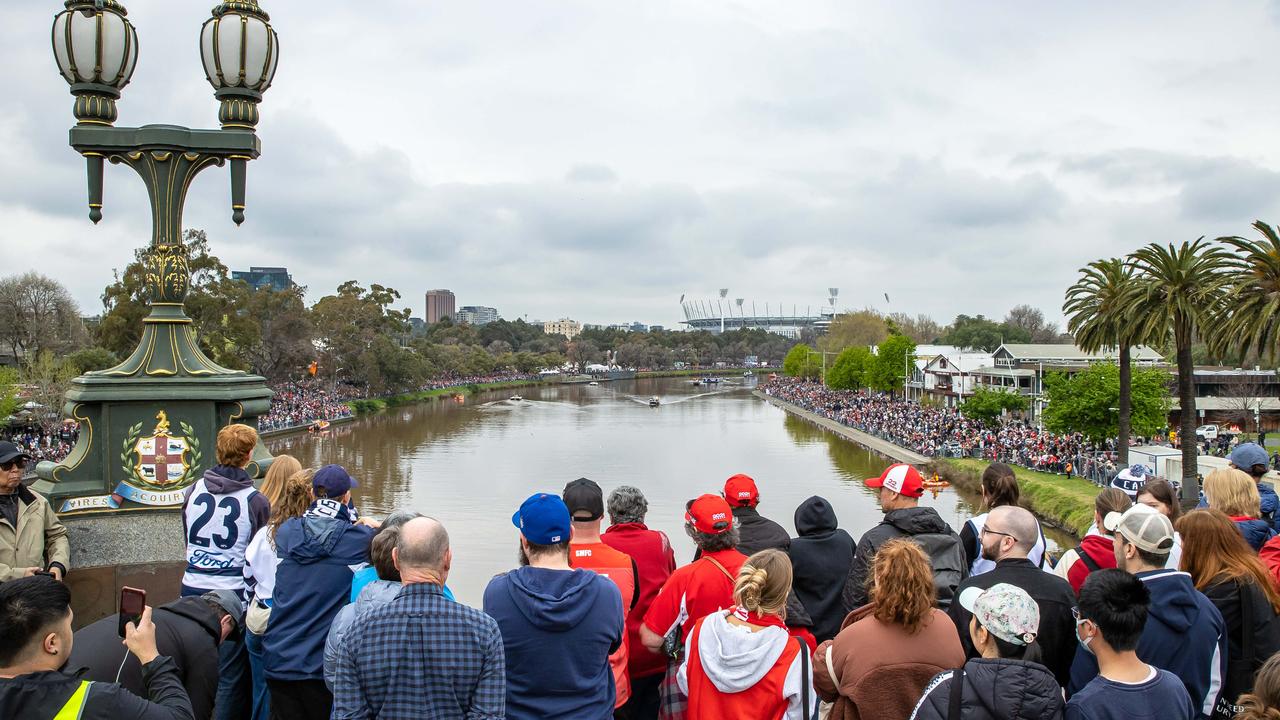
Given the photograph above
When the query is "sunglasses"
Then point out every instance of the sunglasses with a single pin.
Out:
(18, 463)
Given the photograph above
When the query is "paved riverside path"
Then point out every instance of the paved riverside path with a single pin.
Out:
(884, 447)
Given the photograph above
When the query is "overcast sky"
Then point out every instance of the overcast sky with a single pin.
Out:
(598, 159)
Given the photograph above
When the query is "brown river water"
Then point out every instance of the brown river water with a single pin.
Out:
(471, 464)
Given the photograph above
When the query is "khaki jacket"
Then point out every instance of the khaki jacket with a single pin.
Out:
(39, 540)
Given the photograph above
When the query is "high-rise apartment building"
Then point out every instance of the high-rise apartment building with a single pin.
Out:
(276, 278)
(439, 305)
(476, 315)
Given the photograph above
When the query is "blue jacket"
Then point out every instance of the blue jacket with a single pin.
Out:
(317, 553)
(1270, 502)
(1184, 634)
(558, 628)
(1255, 532)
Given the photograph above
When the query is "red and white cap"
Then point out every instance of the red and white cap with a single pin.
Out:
(900, 478)
(741, 490)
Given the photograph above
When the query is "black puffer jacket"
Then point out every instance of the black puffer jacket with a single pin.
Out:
(1247, 647)
(995, 690)
(187, 630)
(757, 532)
(820, 558)
(923, 525)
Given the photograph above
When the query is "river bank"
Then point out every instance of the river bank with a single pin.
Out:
(1064, 503)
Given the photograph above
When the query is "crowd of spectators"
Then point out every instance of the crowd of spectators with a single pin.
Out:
(43, 444)
(945, 432)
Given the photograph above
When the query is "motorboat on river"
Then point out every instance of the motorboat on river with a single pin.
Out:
(516, 398)
(655, 401)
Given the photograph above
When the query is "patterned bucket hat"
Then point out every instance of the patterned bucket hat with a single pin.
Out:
(1005, 610)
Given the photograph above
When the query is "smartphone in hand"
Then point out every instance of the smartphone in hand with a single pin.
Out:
(132, 603)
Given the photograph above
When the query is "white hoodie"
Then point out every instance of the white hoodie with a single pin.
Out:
(735, 658)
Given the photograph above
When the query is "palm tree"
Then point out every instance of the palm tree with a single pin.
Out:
(1254, 322)
(1179, 294)
(1099, 310)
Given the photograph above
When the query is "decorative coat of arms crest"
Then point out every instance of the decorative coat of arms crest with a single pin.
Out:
(159, 466)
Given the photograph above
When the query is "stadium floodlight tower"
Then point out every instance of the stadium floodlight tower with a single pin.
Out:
(724, 293)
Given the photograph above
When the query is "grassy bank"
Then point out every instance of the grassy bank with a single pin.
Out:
(371, 405)
(1065, 503)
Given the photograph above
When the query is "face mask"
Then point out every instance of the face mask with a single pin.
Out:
(1084, 642)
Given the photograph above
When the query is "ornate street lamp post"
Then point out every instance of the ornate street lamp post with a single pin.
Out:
(148, 424)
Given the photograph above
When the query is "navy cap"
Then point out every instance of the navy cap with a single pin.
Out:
(543, 519)
(1246, 455)
(9, 451)
(335, 481)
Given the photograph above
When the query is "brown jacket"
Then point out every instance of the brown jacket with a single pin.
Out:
(39, 540)
(880, 670)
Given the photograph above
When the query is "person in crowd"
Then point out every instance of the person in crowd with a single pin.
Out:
(1007, 535)
(369, 574)
(373, 594)
(743, 662)
(1005, 681)
(1233, 578)
(32, 538)
(317, 553)
(999, 488)
(1264, 702)
(188, 630)
(585, 501)
(1236, 494)
(1160, 495)
(421, 655)
(1252, 460)
(1131, 479)
(1114, 612)
(260, 566)
(1097, 550)
(913, 641)
(1184, 633)
(655, 561)
(559, 625)
(821, 557)
(281, 469)
(693, 591)
(220, 515)
(35, 622)
(756, 531)
(900, 489)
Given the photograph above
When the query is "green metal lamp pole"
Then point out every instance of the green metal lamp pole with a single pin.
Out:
(148, 425)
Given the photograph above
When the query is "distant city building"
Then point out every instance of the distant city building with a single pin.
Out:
(276, 278)
(476, 315)
(440, 305)
(591, 326)
(563, 326)
(657, 328)
(417, 326)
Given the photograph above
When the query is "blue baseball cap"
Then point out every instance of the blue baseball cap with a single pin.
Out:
(543, 519)
(1246, 455)
(335, 480)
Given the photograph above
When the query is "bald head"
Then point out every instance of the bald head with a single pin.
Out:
(1021, 524)
(423, 545)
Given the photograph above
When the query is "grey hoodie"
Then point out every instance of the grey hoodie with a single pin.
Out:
(375, 594)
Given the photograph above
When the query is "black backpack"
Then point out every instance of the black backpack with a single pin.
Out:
(946, 556)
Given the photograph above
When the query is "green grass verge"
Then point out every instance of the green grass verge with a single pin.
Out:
(1065, 503)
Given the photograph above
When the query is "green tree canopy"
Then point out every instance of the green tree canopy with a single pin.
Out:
(893, 360)
(1088, 402)
(850, 369)
(801, 361)
(987, 404)
(864, 328)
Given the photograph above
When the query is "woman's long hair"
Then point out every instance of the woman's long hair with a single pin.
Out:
(293, 502)
(1000, 486)
(1213, 551)
(282, 468)
(902, 586)
(1162, 491)
(1264, 702)
(764, 583)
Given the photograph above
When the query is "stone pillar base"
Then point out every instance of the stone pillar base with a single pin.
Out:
(142, 549)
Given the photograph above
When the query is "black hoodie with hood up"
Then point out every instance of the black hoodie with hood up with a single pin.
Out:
(821, 558)
(927, 528)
